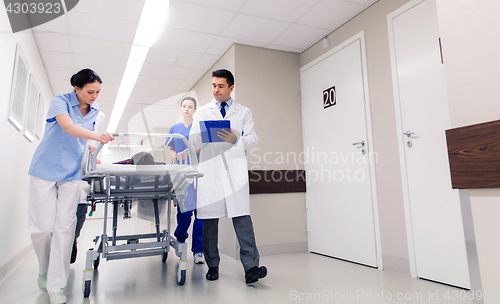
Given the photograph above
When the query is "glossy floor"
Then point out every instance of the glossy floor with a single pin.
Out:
(292, 278)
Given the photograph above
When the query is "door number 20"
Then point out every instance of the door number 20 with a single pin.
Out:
(329, 97)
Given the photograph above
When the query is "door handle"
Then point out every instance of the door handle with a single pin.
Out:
(361, 143)
(409, 133)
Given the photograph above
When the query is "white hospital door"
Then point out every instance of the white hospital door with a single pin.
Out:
(434, 219)
(337, 145)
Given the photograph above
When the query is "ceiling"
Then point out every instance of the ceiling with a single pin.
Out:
(98, 34)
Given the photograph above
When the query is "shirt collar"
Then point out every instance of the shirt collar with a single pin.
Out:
(75, 103)
(73, 99)
(229, 103)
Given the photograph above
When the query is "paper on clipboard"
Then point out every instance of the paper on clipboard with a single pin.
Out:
(209, 129)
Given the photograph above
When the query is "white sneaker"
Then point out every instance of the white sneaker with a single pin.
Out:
(42, 282)
(198, 258)
(58, 298)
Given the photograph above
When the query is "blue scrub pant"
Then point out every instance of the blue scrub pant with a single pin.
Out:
(183, 222)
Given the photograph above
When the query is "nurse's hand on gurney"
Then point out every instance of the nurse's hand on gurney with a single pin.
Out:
(74, 130)
(104, 137)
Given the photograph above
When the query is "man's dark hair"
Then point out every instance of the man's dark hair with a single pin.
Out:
(224, 74)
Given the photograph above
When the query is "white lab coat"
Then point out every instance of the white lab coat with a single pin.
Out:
(224, 191)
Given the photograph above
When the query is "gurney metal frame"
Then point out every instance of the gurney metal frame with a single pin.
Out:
(177, 176)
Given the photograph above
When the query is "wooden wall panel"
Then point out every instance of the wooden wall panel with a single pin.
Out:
(277, 181)
(474, 155)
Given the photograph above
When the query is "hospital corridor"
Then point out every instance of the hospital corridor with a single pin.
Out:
(296, 277)
(250, 151)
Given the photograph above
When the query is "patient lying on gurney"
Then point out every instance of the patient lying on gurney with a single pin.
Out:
(145, 209)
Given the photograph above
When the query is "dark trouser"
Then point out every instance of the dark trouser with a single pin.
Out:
(183, 222)
(249, 255)
(80, 218)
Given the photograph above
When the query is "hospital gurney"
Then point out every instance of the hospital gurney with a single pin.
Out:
(120, 184)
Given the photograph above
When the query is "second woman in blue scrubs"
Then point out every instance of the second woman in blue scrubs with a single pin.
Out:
(188, 107)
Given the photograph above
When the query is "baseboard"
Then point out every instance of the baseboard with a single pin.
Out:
(273, 249)
(12, 263)
(396, 264)
(276, 249)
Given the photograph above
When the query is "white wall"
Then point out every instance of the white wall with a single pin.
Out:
(267, 82)
(373, 21)
(470, 31)
(18, 151)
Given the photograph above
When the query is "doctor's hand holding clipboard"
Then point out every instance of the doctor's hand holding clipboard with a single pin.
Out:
(217, 131)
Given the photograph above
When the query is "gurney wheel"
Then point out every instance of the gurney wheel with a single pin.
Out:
(181, 276)
(164, 256)
(97, 261)
(86, 290)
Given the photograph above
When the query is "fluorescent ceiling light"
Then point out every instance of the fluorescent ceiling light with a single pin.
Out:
(136, 60)
(152, 18)
(126, 87)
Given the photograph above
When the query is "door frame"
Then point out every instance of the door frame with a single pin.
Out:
(376, 220)
(399, 127)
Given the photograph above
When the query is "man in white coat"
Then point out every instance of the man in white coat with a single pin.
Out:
(224, 190)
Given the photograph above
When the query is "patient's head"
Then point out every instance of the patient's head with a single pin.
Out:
(142, 158)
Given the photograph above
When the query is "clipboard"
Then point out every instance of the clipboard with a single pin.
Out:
(209, 129)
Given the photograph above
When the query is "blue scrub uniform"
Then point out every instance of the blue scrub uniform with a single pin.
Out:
(184, 216)
(55, 185)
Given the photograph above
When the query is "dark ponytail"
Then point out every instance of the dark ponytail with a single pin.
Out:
(84, 77)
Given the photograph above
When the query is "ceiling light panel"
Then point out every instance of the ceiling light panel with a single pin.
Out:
(100, 48)
(53, 42)
(150, 92)
(164, 56)
(197, 18)
(136, 59)
(330, 14)
(119, 9)
(110, 77)
(195, 74)
(61, 73)
(300, 36)
(99, 64)
(186, 85)
(102, 28)
(152, 17)
(157, 82)
(231, 5)
(282, 10)
(57, 59)
(255, 28)
(222, 44)
(153, 70)
(184, 40)
(364, 2)
(207, 61)
(57, 25)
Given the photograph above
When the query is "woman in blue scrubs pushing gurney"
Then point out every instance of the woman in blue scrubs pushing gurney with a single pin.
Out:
(55, 182)
(188, 107)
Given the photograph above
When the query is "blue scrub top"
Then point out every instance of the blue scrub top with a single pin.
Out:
(179, 146)
(58, 157)
(177, 143)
